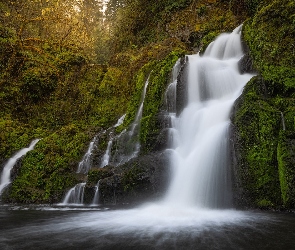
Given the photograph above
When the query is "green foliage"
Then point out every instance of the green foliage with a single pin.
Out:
(13, 137)
(155, 96)
(134, 178)
(265, 119)
(258, 125)
(286, 162)
(94, 175)
(37, 84)
(48, 170)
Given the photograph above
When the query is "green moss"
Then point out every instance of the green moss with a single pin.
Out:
(258, 124)
(134, 178)
(154, 98)
(272, 47)
(286, 162)
(94, 175)
(269, 106)
(49, 169)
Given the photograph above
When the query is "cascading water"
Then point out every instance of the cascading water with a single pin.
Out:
(85, 164)
(170, 102)
(95, 200)
(107, 155)
(5, 176)
(200, 159)
(127, 143)
(75, 195)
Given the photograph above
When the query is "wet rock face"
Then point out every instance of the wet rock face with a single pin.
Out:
(143, 178)
(246, 64)
(181, 96)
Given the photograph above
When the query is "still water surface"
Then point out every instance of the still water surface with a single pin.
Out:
(149, 227)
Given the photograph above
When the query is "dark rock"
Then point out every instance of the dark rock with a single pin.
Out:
(181, 91)
(142, 178)
(246, 64)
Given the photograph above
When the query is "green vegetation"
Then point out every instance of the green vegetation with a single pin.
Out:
(265, 116)
(65, 75)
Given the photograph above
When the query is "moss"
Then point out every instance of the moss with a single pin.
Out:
(134, 179)
(154, 98)
(258, 124)
(271, 48)
(268, 108)
(49, 169)
(286, 162)
(94, 175)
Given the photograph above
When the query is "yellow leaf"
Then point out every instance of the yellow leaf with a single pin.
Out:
(198, 27)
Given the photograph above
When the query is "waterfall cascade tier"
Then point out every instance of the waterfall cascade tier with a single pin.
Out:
(200, 144)
(126, 145)
(75, 196)
(95, 200)
(85, 164)
(6, 173)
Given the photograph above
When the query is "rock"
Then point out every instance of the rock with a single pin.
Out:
(143, 178)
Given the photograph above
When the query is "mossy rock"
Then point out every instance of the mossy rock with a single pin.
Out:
(257, 126)
(286, 162)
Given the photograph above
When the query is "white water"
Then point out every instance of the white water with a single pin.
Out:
(95, 200)
(120, 121)
(5, 176)
(201, 186)
(127, 143)
(85, 164)
(200, 161)
(75, 196)
(106, 156)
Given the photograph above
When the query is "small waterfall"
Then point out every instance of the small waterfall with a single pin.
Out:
(85, 164)
(120, 121)
(200, 144)
(75, 196)
(5, 176)
(170, 101)
(106, 156)
(95, 200)
(127, 144)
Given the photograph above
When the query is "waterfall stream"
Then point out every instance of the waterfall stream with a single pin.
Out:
(5, 176)
(200, 159)
(127, 145)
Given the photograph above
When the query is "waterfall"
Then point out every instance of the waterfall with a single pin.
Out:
(106, 156)
(120, 121)
(75, 195)
(170, 102)
(201, 158)
(5, 176)
(127, 143)
(95, 200)
(283, 121)
(85, 164)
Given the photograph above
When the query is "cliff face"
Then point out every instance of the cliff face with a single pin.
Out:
(264, 114)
